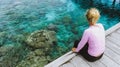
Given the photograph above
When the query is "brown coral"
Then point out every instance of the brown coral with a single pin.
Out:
(41, 39)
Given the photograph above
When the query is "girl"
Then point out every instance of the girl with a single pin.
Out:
(92, 44)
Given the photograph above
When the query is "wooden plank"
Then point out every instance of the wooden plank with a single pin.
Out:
(96, 64)
(115, 35)
(113, 56)
(108, 62)
(117, 42)
(68, 64)
(61, 60)
(112, 29)
(118, 31)
(113, 47)
(78, 62)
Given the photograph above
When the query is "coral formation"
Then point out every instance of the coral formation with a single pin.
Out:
(11, 54)
(41, 41)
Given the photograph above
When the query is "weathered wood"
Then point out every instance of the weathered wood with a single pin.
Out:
(113, 56)
(108, 62)
(96, 64)
(115, 35)
(77, 61)
(118, 31)
(61, 60)
(115, 41)
(68, 64)
(113, 46)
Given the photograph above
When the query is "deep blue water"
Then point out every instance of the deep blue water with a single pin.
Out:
(22, 17)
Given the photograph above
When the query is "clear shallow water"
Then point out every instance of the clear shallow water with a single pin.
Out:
(19, 18)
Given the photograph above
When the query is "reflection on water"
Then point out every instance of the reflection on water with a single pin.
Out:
(20, 18)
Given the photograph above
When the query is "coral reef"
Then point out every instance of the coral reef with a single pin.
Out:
(41, 39)
(41, 43)
(11, 54)
(34, 61)
(2, 38)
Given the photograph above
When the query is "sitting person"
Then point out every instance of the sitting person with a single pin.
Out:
(92, 44)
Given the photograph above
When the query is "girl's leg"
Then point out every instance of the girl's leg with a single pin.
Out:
(84, 52)
(92, 58)
(76, 43)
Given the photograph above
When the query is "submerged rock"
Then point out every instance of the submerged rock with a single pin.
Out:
(39, 52)
(2, 38)
(41, 39)
(42, 42)
(11, 54)
(5, 49)
(35, 61)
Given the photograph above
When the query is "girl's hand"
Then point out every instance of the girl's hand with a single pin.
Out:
(74, 49)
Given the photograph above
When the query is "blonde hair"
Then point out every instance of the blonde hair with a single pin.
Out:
(92, 15)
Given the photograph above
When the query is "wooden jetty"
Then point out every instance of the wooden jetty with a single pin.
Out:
(111, 57)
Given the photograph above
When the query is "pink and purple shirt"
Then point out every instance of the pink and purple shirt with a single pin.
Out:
(95, 36)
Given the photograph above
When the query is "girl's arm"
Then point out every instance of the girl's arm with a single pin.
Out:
(83, 41)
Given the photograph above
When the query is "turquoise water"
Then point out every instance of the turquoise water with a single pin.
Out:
(20, 18)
